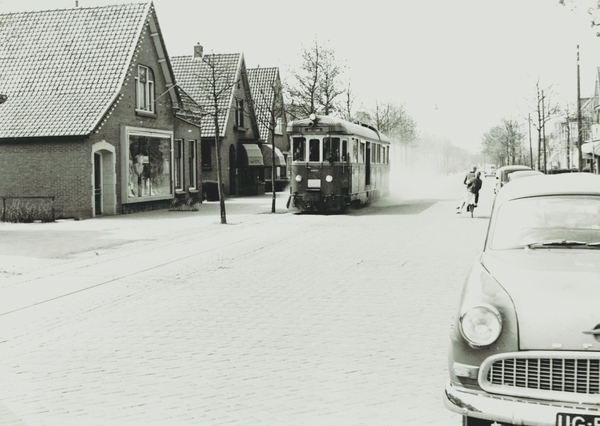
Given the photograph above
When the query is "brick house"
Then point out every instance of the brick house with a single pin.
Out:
(267, 95)
(242, 165)
(92, 117)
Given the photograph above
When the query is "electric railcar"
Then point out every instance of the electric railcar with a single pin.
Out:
(336, 163)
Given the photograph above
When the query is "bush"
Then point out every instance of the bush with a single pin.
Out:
(27, 210)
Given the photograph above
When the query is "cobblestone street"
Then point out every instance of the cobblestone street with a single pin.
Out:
(274, 319)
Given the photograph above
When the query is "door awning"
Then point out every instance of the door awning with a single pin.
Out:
(267, 156)
(591, 148)
(251, 155)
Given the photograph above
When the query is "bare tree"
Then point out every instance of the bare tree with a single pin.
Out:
(503, 144)
(394, 121)
(544, 110)
(346, 108)
(315, 86)
(269, 110)
(589, 7)
(216, 86)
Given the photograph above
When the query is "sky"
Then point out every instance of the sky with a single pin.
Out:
(457, 67)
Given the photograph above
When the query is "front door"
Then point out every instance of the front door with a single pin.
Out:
(97, 184)
(232, 171)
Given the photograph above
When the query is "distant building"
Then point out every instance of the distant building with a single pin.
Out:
(242, 165)
(92, 117)
(267, 95)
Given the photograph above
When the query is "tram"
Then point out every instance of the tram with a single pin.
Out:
(336, 163)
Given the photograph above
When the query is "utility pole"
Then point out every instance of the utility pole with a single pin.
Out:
(544, 134)
(530, 147)
(580, 165)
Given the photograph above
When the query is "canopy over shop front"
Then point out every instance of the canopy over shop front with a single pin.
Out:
(251, 155)
(267, 153)
(591, 148)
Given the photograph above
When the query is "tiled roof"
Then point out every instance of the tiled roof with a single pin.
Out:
(62, 69)
(262, 82)
(194, 76)
(188, 109)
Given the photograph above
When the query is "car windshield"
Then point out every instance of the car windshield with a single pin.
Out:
(549, 221)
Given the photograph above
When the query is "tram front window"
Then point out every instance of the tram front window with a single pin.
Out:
(314, 147)
(331, 149)
(299, 149)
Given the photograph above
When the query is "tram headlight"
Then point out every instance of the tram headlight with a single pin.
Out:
(329, 178)
(298, 178)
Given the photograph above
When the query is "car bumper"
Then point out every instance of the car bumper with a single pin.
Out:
(509, 410)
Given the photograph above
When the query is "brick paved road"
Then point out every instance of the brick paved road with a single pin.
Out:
(274, 319)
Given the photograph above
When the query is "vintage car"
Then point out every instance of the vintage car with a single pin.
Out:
(503, 173)
(523, 173)
(525, 342)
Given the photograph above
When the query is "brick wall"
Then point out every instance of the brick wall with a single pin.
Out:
(58, 167)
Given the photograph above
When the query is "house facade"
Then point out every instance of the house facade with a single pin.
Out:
(92, 119)
(219, 84)
(267, 96)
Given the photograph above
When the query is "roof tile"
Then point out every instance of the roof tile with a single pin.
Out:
(61, 69)
(193, 75)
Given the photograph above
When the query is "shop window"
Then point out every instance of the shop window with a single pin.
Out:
(145, 89)
(149, 174)
(178, 164)
(206, 153)
(192, 165)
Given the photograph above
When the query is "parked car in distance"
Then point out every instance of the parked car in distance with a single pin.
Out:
(490, 169)
(525, 341)
(523, 173)
(502, 175)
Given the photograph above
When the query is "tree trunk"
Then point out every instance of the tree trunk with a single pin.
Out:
(219, 177)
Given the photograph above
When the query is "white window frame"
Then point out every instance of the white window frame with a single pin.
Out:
(126, 133)
(144, 97)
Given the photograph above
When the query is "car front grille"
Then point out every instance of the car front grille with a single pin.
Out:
(550, 376)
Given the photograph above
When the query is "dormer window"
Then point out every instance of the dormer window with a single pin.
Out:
(145, 89)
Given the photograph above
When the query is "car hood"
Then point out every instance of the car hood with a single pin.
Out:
(556, 294)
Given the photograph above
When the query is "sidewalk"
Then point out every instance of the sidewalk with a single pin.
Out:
(29, 247)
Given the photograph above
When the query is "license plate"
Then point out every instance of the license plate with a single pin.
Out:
(571, 419)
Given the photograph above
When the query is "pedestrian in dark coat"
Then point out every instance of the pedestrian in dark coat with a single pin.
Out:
(474, 186)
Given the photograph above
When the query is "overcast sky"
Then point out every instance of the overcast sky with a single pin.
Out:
(458, 66)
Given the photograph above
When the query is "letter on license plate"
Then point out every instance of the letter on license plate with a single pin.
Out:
(571, 419)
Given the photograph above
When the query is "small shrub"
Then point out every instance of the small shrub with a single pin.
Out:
(18, 210)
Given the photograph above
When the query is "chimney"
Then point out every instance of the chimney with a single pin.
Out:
(198, 51)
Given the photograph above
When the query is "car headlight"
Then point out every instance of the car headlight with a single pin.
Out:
(298, 178)
(329, 178)
(481, 325)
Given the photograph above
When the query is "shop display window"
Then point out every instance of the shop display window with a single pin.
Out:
(149, 173)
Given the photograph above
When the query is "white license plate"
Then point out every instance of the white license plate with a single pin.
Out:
(571, 419)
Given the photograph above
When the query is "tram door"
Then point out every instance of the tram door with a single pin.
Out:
(368, 164)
